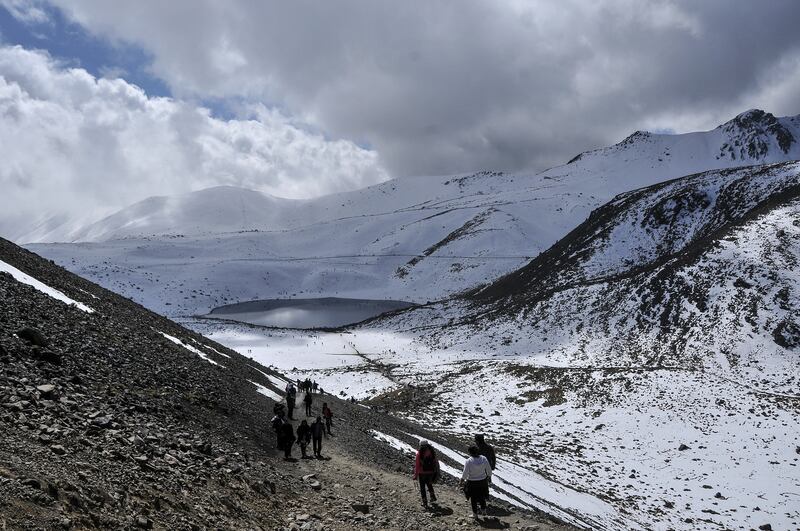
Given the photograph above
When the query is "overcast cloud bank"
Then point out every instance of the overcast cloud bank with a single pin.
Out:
(75, 145)
(435, 87)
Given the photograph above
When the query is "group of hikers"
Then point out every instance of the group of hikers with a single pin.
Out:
(306, 433)
(475, 479)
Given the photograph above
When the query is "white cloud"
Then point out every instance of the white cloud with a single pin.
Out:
(26, 10)
(77, 145)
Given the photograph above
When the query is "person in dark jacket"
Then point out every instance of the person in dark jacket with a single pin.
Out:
(317, 431)
(426, 470)
(288, 440)
(328, 415)
(277, 424)
(308, 400)
(303, 437)
(485, 450)
(291, 394)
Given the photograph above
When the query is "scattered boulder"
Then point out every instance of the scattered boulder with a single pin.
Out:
(143, 522)
(58, 449)
(683, 447)
(787, 334)
(33, 336)
(103, 422)
(47, 355)
(46, 390)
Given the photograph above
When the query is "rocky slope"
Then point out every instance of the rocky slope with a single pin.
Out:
(116, 418)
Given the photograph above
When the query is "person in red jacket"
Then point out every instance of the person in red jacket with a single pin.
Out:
(426, 470)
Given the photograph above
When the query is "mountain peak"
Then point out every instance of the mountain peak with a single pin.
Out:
(752, 117)
(753, 132)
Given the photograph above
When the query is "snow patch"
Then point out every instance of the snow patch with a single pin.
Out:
(189, 348)
(19, 276)
(269, 393)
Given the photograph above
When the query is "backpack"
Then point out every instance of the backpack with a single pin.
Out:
(277, 422)
(428, 460)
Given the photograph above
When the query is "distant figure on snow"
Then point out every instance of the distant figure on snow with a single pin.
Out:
(308, 400)
(314, 386)
(317, 430)
(426, 470)
(303, 437)
(485, 450)
(476, 479)
(328, 414)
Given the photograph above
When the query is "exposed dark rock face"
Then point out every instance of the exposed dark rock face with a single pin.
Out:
(106, 424)
(752, 132)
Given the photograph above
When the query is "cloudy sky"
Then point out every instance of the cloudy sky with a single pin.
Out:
(104, 103)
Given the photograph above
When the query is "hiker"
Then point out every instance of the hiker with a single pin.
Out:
(328, 414)
(291, 393)
(317, 429)
(277, 424)
(287, 432)
(308, 400)
(303, 437)
(314, 386)
(476, 479)
(307, 384)
(426, 470)
(485, 450)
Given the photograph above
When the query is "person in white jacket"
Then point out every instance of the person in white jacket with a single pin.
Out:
(476, 479)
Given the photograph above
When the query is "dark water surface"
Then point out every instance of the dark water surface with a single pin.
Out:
(328, 312)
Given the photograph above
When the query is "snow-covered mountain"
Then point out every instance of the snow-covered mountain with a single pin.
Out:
(650, 355)
(753, 137)
(648, 358)
(416, 239)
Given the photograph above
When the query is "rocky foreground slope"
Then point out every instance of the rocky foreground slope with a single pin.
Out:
(113, 417)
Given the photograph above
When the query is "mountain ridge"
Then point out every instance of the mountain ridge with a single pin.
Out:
(753, 136)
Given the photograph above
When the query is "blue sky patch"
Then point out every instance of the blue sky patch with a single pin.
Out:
(70, 43)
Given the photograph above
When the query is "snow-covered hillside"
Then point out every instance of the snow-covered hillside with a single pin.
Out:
(648, 359)
(414, 239)
(650, 356)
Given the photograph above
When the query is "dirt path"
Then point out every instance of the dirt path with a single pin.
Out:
(390, 498)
